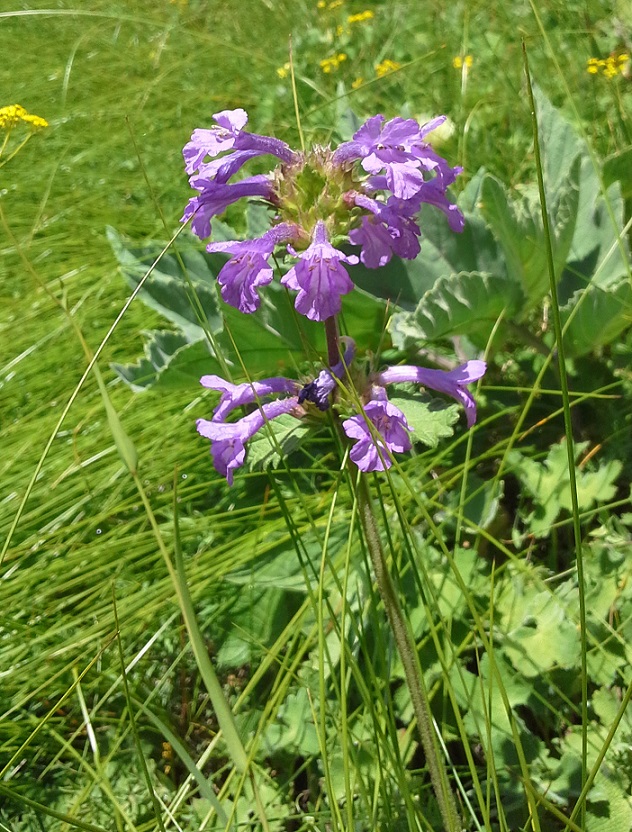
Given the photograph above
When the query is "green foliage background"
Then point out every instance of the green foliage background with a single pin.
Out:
(478, 530)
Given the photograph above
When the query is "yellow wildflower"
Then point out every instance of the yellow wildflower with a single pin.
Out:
(321, 4)
(610, 67)
(458, 62)
(283, 71)
(360, 17)
(357, 83)
(385, 67)
(593, 65)
(340, 31)
(14, 113)
(329, 65)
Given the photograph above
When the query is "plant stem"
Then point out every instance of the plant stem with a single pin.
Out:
(333, 341)
(408, 654)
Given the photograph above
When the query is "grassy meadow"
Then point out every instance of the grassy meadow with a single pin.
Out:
(513, 567)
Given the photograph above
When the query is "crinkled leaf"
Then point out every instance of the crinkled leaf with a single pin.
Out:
(559, 143)
(256, 618)
(484, 711)
(275, 440)
(613, 812)
(431, 419)
(172, 352)
(461, 304)
(293, 729)
(618, 168)
(599, 252)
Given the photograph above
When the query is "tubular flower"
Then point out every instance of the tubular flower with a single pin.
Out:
(248, 268)
(367, 192)
(453, 383)
(228, 439)
(319, 278)
(388, 432)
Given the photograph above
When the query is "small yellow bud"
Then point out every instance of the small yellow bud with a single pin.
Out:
(386, 67)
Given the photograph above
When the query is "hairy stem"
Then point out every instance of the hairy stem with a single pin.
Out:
(333, 341)
(408, 654)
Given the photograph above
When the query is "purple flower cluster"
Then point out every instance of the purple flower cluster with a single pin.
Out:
(378, 431)
(366, 192)
(382, 429)
(228, 439)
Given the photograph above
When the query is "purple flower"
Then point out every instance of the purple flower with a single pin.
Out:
(391, 230)
(216, 140)
(236, 395)
(319, 277)
(215, 197)
(317, 195)
(389, 433)
(228, 135)
(248, 269)
(386, 147)
(375, 241)
(453, 383)
(397, 147)
(434, 194)
(228, 440)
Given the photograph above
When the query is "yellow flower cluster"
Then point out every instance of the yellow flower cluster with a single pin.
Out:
(335, 4)
(329, 65)
(283, 71)
(14, 113)
(385, 67)
(360, 17)
(354, 18)
(611, 66)
(458, 62)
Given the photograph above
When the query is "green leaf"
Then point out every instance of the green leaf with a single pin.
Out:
(181, 289)
(596, 317)
(618, 168)
(546, 638)
(462, 304)
(548, 483)
(294, 729)
(274, 441)
(559, 143)
(517, 224)
(443, 253)
(431, 419)
(258, 220)
(169, 351)
(484, 710)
